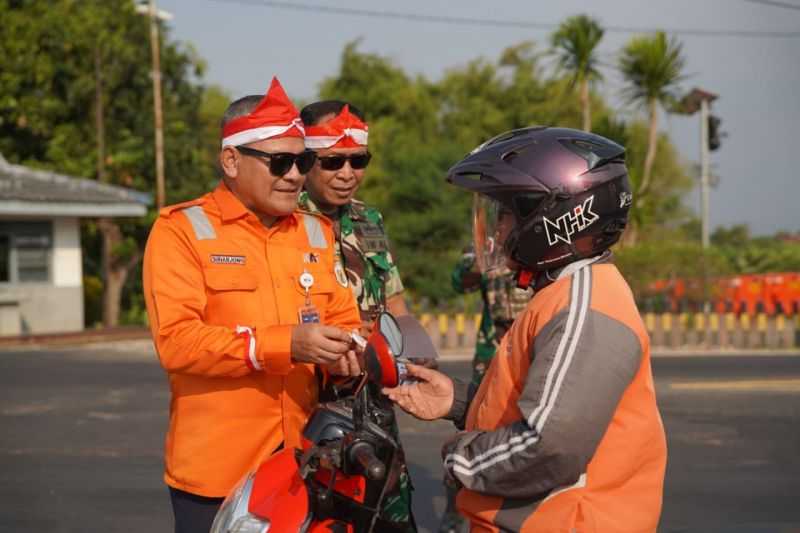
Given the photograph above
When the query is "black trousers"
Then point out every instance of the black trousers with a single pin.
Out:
(193, 513)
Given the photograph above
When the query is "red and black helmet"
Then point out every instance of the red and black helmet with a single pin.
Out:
(568, 192)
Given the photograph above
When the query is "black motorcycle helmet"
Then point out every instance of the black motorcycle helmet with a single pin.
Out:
(550, 196)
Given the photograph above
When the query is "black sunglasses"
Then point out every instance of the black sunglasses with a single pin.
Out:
(335, 162)
(281, 162)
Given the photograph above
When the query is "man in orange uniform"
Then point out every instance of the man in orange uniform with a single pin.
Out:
(243, 303)
(564, 434)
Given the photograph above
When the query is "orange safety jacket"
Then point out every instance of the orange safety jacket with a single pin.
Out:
(564, 434)
(223, 294)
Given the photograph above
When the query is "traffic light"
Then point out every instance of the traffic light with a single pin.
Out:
(713, 132)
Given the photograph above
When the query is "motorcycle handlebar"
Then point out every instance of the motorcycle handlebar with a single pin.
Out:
(363, 453)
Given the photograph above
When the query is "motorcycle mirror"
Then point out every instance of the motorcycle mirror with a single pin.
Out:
(417, 343)
(383, 345)
(391, 332)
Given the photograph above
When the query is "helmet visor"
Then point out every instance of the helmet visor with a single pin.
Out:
(492, 223)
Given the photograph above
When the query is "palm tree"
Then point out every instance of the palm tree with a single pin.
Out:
(652, 66)
(574, 43)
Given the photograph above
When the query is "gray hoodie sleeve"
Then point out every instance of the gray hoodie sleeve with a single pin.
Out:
(582, 363)
(463, 393)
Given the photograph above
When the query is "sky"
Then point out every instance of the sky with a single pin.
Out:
(246, 42)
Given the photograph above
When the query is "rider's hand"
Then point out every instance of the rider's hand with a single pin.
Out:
(426, 362)
(429, 398)
(347, 365)
(318, 343)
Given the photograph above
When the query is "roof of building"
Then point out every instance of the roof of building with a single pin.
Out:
(32, 192)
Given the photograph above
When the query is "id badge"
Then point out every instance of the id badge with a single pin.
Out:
(308, 314)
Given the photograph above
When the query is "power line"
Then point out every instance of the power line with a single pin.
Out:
(466, 21)
(775, 3)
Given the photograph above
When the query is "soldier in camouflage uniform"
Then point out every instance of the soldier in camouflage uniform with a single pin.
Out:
(364, 261)
(502, 301)
(336, 131)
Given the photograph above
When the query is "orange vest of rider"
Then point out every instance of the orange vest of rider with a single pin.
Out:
(212, 269)
(619, 486)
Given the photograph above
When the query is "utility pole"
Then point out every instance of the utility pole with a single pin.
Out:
(155, 14)
(694, 101)
(700, 100)
(159, 120)
(99, 121)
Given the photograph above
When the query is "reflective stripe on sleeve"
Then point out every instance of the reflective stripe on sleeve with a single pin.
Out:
(203, 230)
(316, 238)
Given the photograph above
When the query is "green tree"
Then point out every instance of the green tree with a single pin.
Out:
(736, 235)
(747, 255)
(76, 96)
(652, 66)
(663, 208)
(574, 43)
(405, 179)
(485, 98)
(418, 129)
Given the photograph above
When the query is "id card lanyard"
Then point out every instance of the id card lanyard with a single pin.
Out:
(307, 313)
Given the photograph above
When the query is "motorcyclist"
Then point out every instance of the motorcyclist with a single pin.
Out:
(502, 301)
(564, 433)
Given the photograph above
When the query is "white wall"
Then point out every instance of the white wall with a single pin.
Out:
(47, 309)
(67, 266)
(57, 305)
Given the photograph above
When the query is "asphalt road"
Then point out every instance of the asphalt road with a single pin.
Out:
(82, 436)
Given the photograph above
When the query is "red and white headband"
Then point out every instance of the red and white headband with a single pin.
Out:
(275, 116)
(345, 130)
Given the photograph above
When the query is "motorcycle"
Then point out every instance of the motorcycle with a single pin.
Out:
(350, 460)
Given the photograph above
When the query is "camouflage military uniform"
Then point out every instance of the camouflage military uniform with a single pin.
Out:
(365, 263)
(502, 301)
(362, 251)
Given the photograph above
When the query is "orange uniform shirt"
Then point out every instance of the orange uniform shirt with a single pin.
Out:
(211, 268)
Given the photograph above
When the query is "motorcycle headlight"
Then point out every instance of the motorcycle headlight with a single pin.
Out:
(233, 516)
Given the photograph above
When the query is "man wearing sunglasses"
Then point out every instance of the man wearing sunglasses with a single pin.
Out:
(243, 307)
(336, 131)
